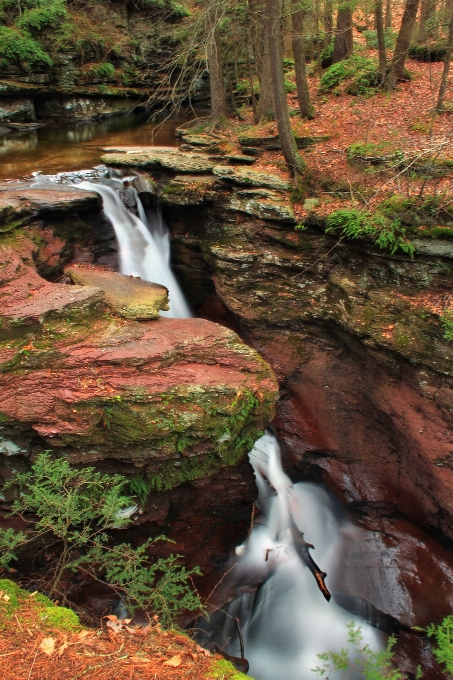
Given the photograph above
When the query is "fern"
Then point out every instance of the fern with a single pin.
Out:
(443, 633)
(355, 224)
(18, 47)
(47, 13)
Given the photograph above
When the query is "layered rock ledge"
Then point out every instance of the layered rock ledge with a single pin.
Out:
(178, 399)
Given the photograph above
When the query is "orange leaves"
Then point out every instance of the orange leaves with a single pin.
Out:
(175, 661)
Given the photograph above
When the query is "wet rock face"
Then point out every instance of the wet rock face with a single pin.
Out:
(173, 401)
(357, 346)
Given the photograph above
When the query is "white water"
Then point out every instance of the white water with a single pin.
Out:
(143, 252)
(289, 621)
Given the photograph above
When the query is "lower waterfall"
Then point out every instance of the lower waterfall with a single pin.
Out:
(286, 621)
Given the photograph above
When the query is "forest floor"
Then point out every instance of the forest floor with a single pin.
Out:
(38, 642)
(402, 124)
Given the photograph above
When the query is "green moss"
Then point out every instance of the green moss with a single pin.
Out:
(60, 618)
(13, 599)
(224, 670)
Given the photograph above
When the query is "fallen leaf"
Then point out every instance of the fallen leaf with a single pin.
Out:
(175, 661)
(204, 651)
(83, 634)
(111, 617)
(63, 646)
(47, 646)
(140, 659)
(180, 640)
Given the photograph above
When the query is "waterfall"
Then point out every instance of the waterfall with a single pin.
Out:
(287, 621)
(143, 252)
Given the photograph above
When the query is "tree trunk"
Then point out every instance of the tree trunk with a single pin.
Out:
(443, 82)
(328, 23)
(379, 23)
(397, 70)
(427, 11)
(285, 133)
(265, 109)
(219, 107)
(303, 94)
(343, 45)
(388, 14)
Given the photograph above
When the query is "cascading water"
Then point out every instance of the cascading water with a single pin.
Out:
(143, 252)
(287, 621)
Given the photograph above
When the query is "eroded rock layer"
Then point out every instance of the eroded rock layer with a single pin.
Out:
(172, 402)
(357, 340)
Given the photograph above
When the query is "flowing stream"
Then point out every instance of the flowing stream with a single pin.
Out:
(284, 616)
(286, 621)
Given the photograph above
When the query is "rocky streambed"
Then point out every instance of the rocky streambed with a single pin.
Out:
(343, 340)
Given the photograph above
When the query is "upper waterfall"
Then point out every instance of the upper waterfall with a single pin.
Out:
(143, 251)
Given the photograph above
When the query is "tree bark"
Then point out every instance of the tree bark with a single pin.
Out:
(219, 108)
(379, 22)
(257, 13)
(303, 94)
(343, 45)
(397, 70)
(285, 133)
(388, 14)
(427, 10)
(328, 22)
(444, 80)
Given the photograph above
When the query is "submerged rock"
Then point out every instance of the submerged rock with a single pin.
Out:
(130, 297)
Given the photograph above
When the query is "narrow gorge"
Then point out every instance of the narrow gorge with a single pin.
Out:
(235, 337)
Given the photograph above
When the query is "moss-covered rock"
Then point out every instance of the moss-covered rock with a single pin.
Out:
(176, 161)
(130, 297)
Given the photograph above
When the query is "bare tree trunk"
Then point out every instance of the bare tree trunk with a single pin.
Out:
(303, 94)
(427, 11)
(265, 109)
(219, 108)
(285, 133)
(388, 14)
(443, 82)
(328, 22)
(397, 70)
(379, 23)
(287, 33)
(343, 45)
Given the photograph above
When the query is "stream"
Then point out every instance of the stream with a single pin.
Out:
(284, 617)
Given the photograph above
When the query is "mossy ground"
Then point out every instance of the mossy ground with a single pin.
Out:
(31, 609)
(27, 619)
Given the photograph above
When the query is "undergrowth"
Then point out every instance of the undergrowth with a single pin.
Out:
(76, 512)
(365, 662)
(362, 70)
(387, 234)
(18, 47)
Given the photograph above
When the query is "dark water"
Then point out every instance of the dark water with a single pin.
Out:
(56, 148)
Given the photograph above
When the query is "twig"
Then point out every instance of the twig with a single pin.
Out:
(241, 639)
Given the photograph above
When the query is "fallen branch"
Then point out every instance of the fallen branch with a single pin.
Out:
(302, 549)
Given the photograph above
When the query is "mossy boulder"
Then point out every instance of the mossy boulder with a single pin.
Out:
(175, 161)
(129, 296)
(250, 177)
